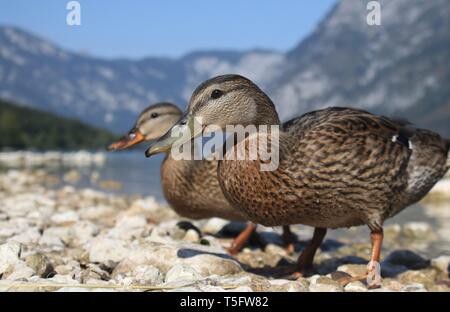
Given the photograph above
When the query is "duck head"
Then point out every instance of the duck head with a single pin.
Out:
(220, 101)
(151, 124)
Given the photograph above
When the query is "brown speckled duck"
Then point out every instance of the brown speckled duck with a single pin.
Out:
(190, 186)
(338, 167)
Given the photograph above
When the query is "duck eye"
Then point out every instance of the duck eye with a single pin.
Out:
(216, 94)
(154, 115)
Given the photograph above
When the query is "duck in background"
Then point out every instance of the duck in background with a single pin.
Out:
(190, 186)
(338, 167)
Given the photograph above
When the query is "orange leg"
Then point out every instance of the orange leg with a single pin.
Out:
(288, 239)
(306, 258)
(372, 276)
(241, 239)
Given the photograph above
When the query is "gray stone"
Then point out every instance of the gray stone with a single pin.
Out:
(83, 231)
(191, 236)
(424, 277)
(65, 217)
(418, 230)
(287, 286)
(392, 270)
(324, 284)
(106, 250)
(9, 255)
(182, 272)
(40, 264)
(147, 275)
(353, 269)
(442, 263)
(355, 287)
(29, 236)
(52, 239)
(94, 272)
(206, 260)
(407, 258)
(392, 285)
(214, 225)
(19, 271)
(414, 288)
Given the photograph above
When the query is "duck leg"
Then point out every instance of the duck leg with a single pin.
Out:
(372, 276)
(306, 258)
(288, 239)
(241, 239)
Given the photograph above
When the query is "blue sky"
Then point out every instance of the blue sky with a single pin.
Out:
(139, 28)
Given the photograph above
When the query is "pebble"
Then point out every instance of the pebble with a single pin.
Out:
(51, 242)
(418, 230)
(106, 250)
(191, 236)
(93, 272)
(287, 286)
(30, 236)
(414, 288)
(392, 285)
(442, 263)
(353, 269)
(324, 284)
(356, 286)
(147, 275)
(407, 258)
(180, 272)
(9, 255)
(64, 217)
(19, 271)
(40, 264)
(214, 225)
(425, 277)
(83, 231)
(72, 177)
(392, 231)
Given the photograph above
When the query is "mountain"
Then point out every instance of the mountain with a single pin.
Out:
(110, 93)
(28, 128)
(400, 68)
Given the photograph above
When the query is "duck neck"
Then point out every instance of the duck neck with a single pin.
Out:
(266, 113)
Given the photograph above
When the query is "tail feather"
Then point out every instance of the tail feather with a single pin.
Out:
(448, 154)
(448, 161)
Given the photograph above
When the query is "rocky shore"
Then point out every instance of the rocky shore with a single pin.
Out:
(69, 239)
(51, 158)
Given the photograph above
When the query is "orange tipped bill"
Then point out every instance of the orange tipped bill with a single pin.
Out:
(132, 138)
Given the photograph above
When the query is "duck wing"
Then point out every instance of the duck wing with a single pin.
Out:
(353, 156)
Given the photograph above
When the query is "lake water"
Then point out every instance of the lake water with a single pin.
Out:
(137, 174)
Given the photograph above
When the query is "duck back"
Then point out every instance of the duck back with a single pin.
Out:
(339, 167)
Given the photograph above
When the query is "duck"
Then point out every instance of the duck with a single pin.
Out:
(190, 186)
(338, 167)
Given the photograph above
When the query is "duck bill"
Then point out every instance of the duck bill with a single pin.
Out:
(186, 129)
(127, 141)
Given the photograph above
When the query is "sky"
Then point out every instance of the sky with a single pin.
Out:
(141, 28)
